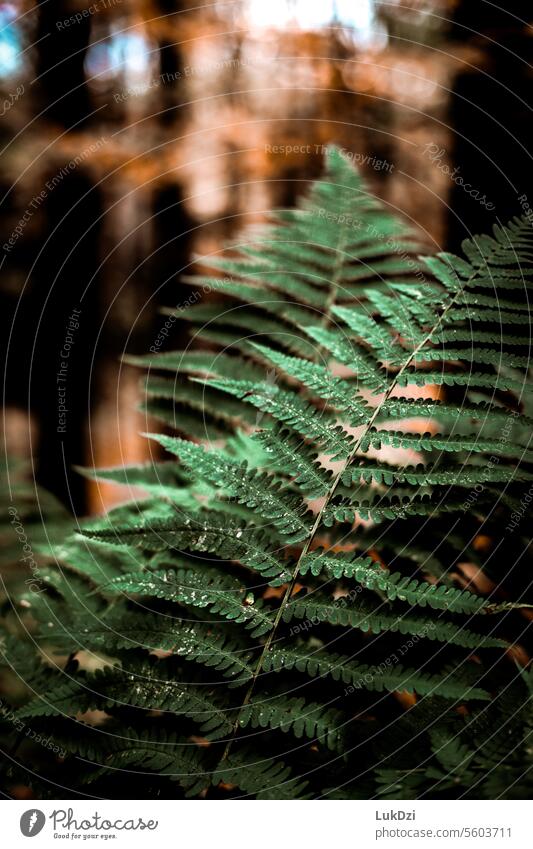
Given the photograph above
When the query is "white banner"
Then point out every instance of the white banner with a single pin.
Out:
(264, 825)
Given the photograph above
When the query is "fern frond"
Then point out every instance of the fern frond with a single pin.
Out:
(266, 496)
(343, 611)
(395, 586)
(303, 719)
(144, 686)
(288, 454)
(199, 587)
(262, 778)
(287, 407)
(209, 531)
(153, 632)
(319, 380)
(372, 421)
(361, 676)
(162, 753)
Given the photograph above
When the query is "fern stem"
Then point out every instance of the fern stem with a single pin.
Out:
(327, 500)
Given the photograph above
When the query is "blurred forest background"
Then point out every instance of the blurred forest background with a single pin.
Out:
(138, 135)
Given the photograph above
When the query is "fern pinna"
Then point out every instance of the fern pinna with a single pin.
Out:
(317, 597)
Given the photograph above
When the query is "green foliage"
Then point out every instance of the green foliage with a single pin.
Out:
(288, 611)
(358, 676)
